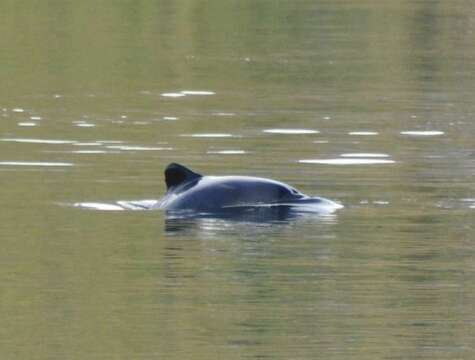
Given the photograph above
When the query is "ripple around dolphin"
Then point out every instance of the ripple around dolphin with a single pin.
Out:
(260, 213)
(119, 205)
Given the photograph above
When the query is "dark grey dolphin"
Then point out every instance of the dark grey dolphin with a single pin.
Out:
(189, 191)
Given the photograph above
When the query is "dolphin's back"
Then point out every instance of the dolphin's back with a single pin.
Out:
(210, 193)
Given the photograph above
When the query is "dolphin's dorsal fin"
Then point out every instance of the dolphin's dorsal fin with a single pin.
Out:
(176, 174)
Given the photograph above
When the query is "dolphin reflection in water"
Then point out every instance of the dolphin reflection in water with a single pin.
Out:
(235, 197)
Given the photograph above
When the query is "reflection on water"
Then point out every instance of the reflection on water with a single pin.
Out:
(95, 103)
(251, 221)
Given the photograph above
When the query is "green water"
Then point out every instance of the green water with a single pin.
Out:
(96, 98)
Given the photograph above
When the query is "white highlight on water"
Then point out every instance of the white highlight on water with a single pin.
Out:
(188, 92)
(347, 161)
(197, 92)
(38, 141)
(18, 110)
(173, 95)
(85, 125)
(27, 124)
(363, 133)
(211, 135)
(225, 114)
(291, 131)
(365, 155)
(89, 152)
(422, 133)
(138, 148)
(227, 152)
(34, 163)
(87, 144)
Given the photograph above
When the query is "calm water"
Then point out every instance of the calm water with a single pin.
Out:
(368, 103)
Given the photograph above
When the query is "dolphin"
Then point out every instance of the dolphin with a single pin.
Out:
(192, 192)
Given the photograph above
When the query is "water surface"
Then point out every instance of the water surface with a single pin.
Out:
(367, 103)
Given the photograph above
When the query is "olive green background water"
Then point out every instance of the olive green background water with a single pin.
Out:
(96, 98)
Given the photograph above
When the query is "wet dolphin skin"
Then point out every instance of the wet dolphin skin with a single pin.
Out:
(187, 190)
